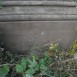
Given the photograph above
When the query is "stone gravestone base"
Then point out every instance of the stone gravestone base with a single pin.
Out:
(29, 24)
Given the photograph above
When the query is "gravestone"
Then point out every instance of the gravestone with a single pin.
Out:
(26, 24)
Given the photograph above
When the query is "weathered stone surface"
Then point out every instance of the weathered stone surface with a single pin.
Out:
(20, 36)
(41, 3)
(38, 18)
(40, 10)
(26, 24)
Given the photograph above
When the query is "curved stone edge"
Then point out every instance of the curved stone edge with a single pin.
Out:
(38, 10)
(37, 17)
(37, 3)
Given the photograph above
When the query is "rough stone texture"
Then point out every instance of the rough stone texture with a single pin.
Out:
(38, 18)
(38, 11)
(29, 10)
(41, 3)
(19, 36)
(28, 24)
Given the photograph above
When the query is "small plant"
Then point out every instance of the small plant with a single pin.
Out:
(73, 48)
(55, 63)
(4, 70)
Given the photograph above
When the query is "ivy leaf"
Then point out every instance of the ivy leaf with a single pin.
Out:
(22, 66)
(29, 61)
(19, 68)
(30, 71)
(42, 65)
(42, 61)
(32, 63)
(4, 71)
(23, 63)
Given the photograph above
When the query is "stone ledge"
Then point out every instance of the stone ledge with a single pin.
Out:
(37, 3)
(38, 10)
(37, 17)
